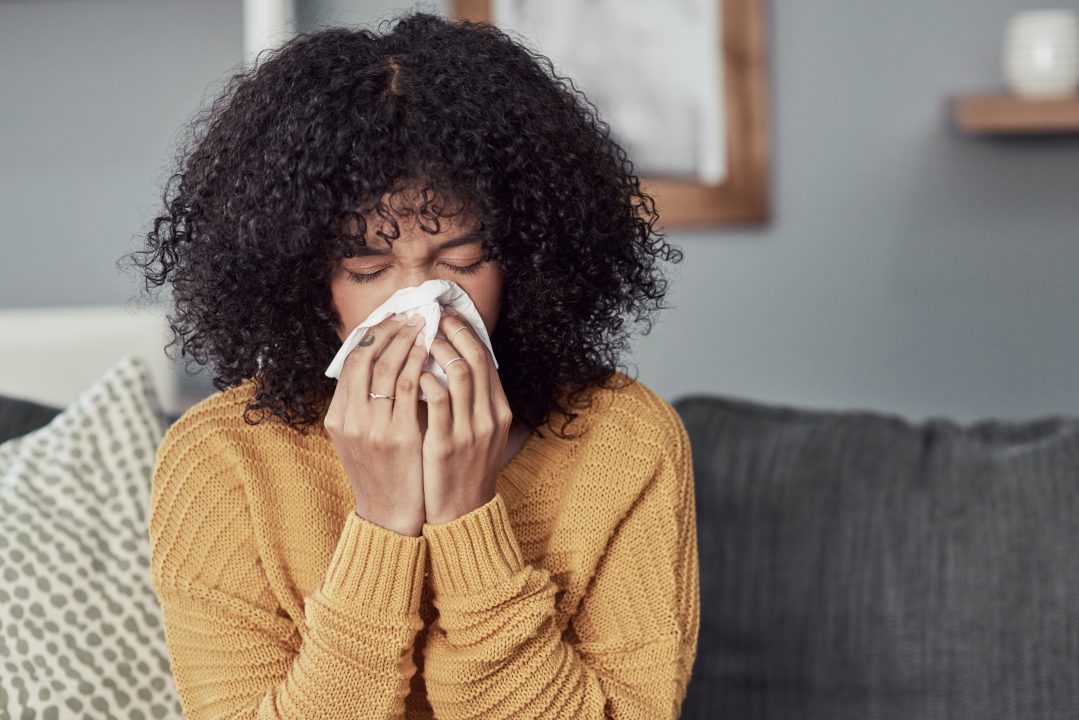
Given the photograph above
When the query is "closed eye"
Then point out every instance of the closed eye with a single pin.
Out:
(368, 277)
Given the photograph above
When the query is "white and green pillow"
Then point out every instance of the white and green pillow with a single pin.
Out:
(80, 628)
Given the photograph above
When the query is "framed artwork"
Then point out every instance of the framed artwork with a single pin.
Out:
(682, 84)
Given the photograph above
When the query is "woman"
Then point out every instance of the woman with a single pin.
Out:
(523, 543)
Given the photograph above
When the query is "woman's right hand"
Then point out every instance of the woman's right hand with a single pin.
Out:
(379, 440)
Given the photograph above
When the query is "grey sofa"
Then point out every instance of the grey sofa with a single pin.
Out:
(856, 566)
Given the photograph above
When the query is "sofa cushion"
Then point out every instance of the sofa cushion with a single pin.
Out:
(856, 565)
(18, 416)
(80, 629)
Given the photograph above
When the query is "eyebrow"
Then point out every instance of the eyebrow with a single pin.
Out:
(469, 237)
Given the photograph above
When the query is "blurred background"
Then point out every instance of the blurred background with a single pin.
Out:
(905, 266)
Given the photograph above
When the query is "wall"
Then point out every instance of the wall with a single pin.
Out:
(92, 97)
(906, 268)
(93, 92)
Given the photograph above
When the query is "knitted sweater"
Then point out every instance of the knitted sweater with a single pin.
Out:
(573, 593)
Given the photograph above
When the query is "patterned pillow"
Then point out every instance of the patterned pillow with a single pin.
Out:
(80, 628)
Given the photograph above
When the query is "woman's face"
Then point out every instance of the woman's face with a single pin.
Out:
(415, 257)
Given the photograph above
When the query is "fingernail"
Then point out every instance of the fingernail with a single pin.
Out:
(415, 320)
(398, 317)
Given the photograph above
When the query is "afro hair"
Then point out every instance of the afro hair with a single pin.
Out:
(319, 131)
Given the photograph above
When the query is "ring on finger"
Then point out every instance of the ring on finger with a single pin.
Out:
(463, 327)
(451, 362)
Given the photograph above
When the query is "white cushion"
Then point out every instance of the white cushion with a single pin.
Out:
(52, 354)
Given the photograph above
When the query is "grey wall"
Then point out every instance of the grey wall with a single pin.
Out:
(92, 97)
(92, 93)
(907, 268)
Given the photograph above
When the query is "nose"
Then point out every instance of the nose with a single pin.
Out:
(415, 271)
(414, 278)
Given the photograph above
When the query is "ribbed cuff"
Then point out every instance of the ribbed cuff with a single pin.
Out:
(474, 552)
(375, 569)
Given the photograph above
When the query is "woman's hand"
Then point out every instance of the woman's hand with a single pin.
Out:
(467, 426)
(379, 440)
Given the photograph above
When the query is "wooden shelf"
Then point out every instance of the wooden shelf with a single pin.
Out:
(1010, 115)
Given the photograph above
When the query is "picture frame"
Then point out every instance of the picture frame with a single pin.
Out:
(739, 193)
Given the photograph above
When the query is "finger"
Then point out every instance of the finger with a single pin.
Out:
(387, 369)
(466, 343)
(439, 418)
(498, 393)
(356, 372)
(408, 385)
(336, 409)
(459, 378)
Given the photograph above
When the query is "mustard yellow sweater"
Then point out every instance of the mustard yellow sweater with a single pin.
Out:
(572, 594)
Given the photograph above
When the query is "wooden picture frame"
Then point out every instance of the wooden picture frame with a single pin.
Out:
(743, 195)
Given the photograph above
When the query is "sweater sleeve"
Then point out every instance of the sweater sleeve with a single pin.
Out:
(234, 653)
(495, 651)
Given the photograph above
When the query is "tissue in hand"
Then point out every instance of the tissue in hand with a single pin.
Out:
(425, 300)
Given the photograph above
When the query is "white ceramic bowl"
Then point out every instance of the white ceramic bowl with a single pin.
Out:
(1041, 53)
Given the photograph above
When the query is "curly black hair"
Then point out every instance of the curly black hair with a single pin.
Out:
(275, 172)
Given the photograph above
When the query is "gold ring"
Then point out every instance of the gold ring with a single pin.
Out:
(374, 395)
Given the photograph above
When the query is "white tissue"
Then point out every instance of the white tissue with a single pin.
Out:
(425, 300)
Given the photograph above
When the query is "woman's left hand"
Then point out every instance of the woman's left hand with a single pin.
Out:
(467, 425)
